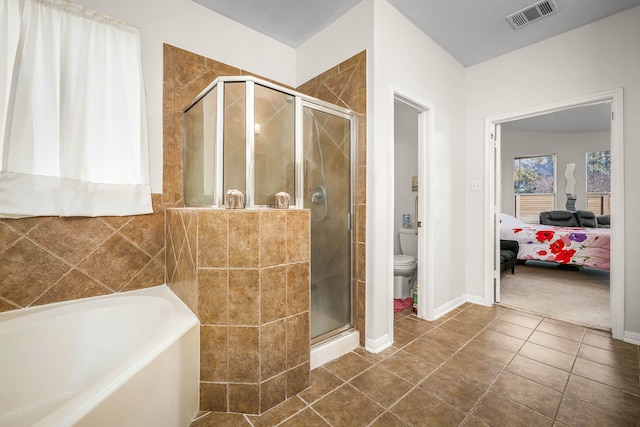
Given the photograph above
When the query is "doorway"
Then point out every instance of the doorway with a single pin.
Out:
(544, 167)
(416, 195)
(493, 200)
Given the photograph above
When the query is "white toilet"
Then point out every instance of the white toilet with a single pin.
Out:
(405, 265)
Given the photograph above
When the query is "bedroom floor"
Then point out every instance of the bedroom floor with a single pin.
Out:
(546, 289)
(477, 366)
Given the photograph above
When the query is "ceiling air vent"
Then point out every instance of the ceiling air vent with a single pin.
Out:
(532, 13)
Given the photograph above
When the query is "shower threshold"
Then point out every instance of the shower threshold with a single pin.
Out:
(334, 347)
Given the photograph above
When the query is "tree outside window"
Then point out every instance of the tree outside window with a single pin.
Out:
(534, 186)
(533, 175)
(599, 181)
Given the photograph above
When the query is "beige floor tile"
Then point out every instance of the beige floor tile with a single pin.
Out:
(604, 397)
(453, 389)
(618, 360)
(381, 385)
(604, 374)
(446, 338)
(321, 383)
(420, 408)
(606, 342)
(388, 420)
(408, 367)
(554, 342)
(496, 410)
(221, 419)
(428, 350)
(306, 418)
(574, 412)
(562, 329)
(488, 353)
(346, 406)
(471, 369)
(278, 413)
(510, 329)
(551, 357)
(520, 319)
(539, 372)
(348, 366)
(498, 340)
(528, 393)
(402, 337)
(414, 325)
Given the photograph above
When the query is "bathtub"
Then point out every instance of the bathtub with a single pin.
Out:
(126, 359)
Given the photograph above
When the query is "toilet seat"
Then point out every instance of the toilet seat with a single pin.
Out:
(403, 260)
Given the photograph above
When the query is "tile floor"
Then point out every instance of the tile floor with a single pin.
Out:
(476, 366)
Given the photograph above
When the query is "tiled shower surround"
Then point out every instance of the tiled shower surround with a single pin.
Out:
(187, 74)
(245, 273)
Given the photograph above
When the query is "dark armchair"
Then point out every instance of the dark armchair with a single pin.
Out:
(508, 255)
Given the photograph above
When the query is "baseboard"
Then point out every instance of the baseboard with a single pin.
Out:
(631, 337)
(379, 344)
(450, 306)
(474, 299)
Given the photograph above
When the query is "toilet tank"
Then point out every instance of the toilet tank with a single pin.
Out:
(408, 242)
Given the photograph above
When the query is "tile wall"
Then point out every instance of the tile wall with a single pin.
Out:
(50, 259)
(187, 74)
(246, 274)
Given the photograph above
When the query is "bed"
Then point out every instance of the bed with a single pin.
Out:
(578, 246)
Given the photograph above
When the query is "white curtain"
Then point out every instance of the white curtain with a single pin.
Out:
(72, 113)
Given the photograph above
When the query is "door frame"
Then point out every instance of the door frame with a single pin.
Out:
(425, 232)
(491, 210)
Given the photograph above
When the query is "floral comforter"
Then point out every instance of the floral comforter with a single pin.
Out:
(588, 247)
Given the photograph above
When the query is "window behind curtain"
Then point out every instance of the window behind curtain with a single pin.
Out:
(599, 181)
(533, 186)
(72, 113)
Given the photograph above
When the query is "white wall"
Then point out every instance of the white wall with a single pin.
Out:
(408, 62)
(405, 165)
(598, 57)
(187, 25)
(567, 147)
(346, 36)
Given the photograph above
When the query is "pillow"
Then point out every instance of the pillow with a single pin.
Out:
(509, 221)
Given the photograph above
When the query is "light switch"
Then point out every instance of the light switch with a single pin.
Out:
(476, 185)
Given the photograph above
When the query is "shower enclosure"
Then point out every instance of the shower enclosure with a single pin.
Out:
(247, 134)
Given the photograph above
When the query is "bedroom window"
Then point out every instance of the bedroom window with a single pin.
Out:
(599, 181)
(533, 186)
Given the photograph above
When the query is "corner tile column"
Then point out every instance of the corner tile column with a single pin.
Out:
(246, 274)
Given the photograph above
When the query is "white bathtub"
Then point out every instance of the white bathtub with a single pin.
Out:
(127, 359)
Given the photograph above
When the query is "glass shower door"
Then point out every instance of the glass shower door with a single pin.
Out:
(327, 193)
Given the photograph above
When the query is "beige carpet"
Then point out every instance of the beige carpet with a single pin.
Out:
(580, 297)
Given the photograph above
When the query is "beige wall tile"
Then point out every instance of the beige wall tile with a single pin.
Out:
(243, 238)
(213, 397)
(244, 297)
(244, 398)
(298, 344)
(213, 296)
(273, 392)
(244, 354)
(298, 287)
(213, 353)
(273, 295)
(273, 238)
(213, 238)
(273, 348)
